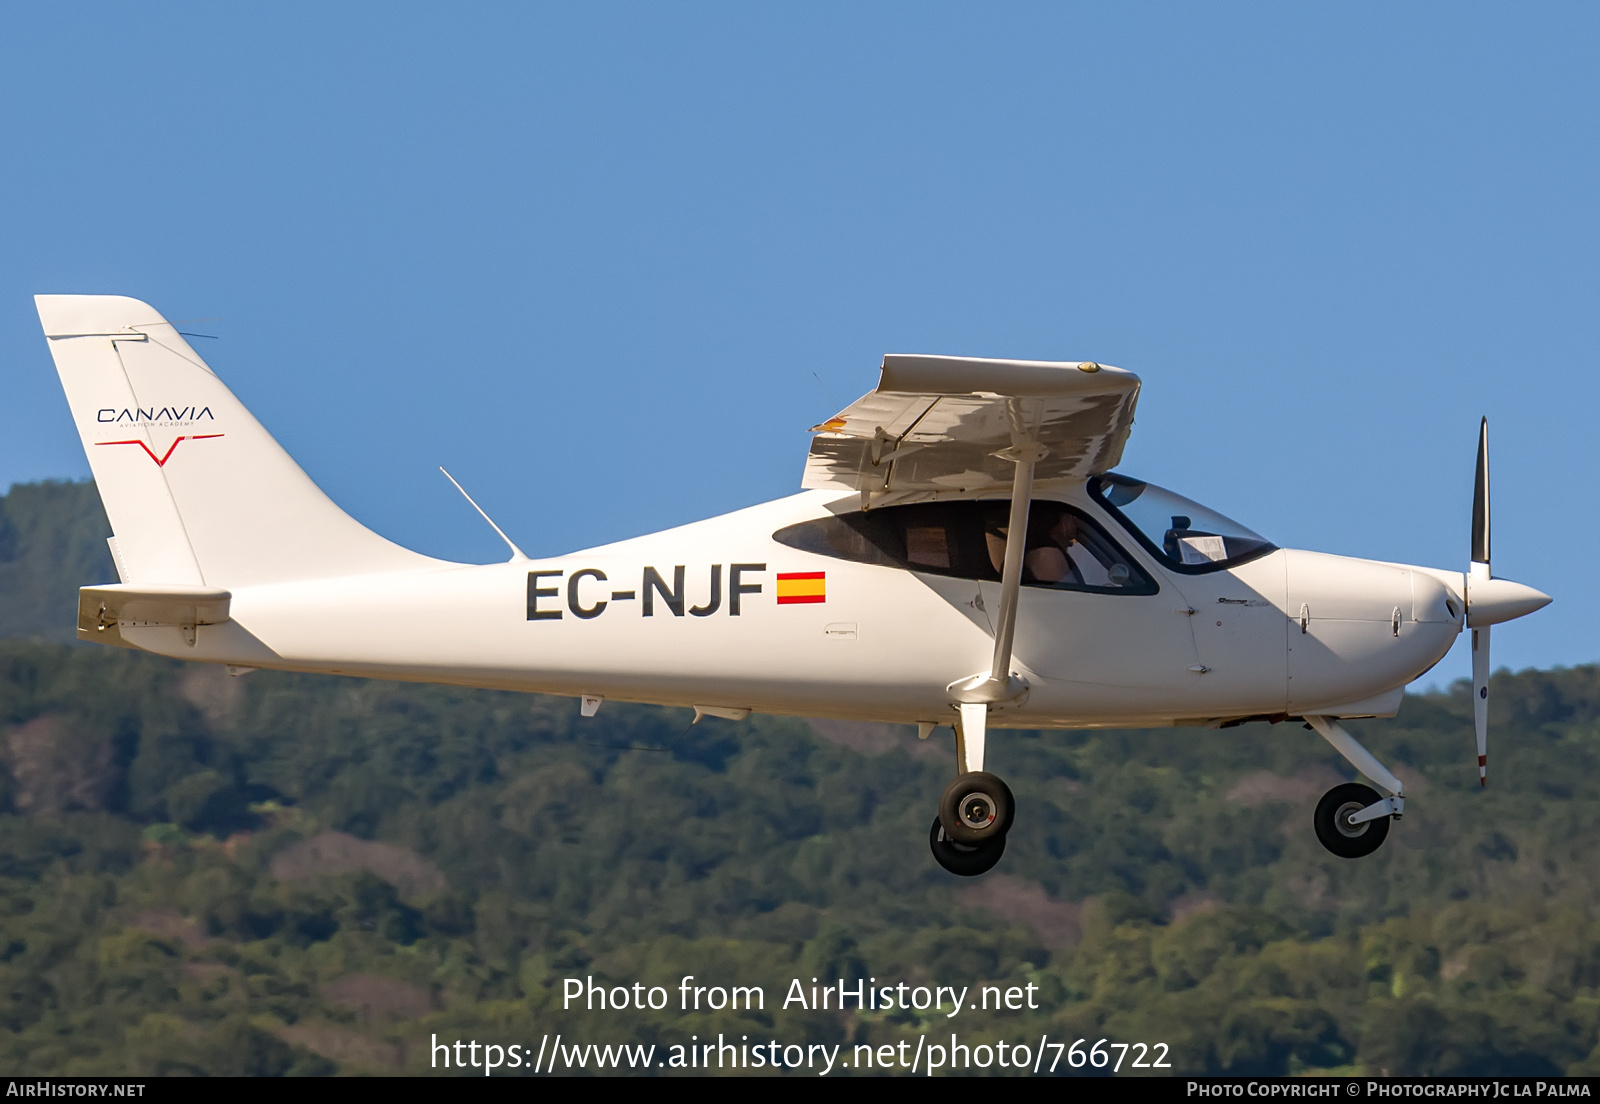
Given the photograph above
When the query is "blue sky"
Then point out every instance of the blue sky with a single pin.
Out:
(608, 262)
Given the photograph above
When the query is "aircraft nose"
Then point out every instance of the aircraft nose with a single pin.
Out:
(1491, 601)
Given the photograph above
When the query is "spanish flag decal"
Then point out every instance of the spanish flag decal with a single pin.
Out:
(802, 586)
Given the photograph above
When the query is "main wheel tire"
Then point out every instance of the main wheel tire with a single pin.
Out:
(1333, 828)
(976, 807)
(965, 859)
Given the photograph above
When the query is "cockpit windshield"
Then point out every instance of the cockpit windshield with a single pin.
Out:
(1184, 534)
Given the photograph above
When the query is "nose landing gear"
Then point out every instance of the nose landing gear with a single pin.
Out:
(1352, 820)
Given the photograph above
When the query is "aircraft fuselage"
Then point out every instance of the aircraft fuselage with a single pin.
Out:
(720, 613)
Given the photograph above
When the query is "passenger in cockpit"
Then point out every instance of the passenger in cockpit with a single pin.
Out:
(1065, 559)
(1048, 561)
(1055, 554)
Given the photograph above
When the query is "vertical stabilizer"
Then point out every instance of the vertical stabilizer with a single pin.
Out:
(196, 490)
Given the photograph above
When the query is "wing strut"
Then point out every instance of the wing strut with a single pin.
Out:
(1026, 456)
(975, 695)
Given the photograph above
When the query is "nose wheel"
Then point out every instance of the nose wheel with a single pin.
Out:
(1335, 829)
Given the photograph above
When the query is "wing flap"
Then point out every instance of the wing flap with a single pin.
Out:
(936, 423)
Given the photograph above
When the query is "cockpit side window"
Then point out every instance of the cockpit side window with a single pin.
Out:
(1185, 535)
(1065, 549)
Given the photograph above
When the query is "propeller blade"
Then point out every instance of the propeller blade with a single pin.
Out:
(1479, 574)
(1480, 500)
(1480, 699)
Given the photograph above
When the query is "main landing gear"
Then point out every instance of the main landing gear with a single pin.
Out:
(969, 835)
(1352, 820)
(975, 811)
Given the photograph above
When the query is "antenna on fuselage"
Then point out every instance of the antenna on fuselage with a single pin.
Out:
(517, 554)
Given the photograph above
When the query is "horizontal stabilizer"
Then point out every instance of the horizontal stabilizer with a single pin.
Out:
(116, 606)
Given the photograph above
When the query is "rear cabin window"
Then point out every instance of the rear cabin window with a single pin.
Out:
(967, 540)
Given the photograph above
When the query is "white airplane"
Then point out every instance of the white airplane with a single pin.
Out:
(887, 590)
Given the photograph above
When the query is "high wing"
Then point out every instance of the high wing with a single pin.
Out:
(938, 423)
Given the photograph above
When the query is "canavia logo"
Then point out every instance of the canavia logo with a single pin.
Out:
(161, 461)
(137, 415)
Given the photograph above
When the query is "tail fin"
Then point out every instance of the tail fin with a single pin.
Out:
(197, 491)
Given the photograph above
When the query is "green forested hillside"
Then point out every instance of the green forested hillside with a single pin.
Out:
(298, 874)
(293, 873)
